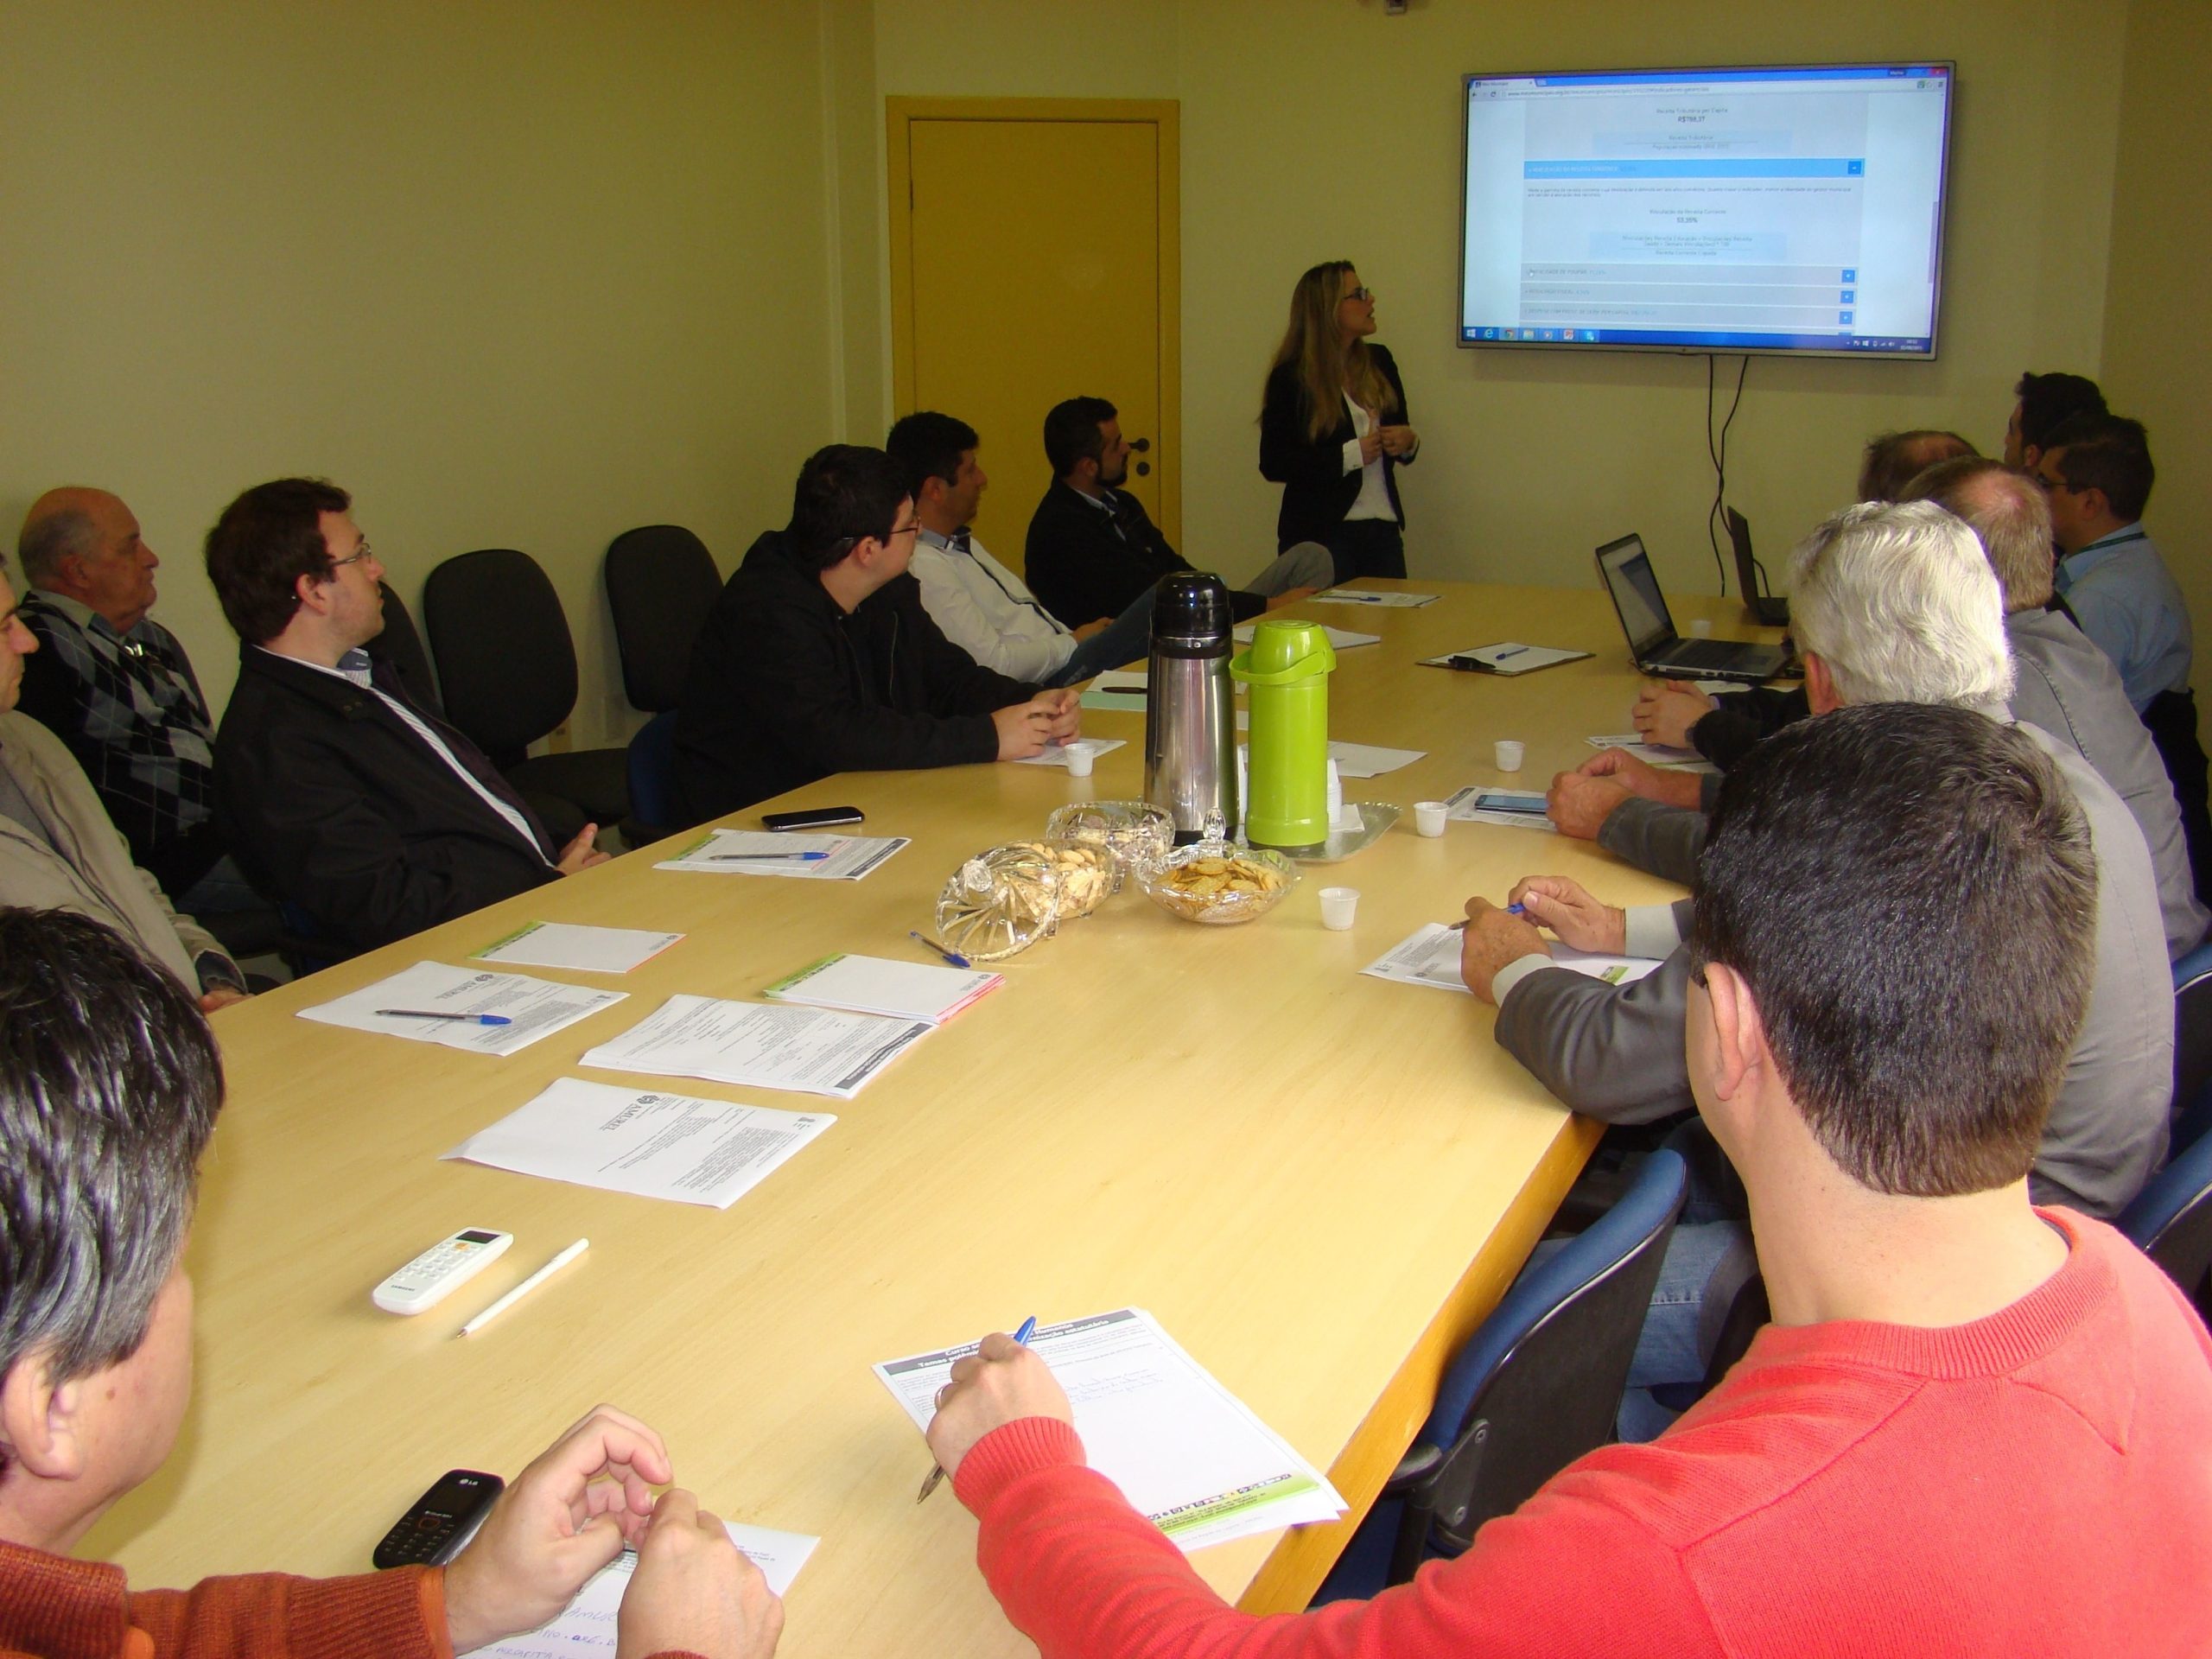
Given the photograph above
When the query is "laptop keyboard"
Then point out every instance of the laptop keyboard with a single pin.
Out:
(1703, 653)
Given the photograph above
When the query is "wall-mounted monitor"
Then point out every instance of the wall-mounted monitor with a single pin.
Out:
(1794, 210)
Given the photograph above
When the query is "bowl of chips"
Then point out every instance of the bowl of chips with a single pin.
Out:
(1136, 832)
(1218, 883)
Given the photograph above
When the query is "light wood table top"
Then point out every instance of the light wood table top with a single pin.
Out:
(1319, 1182)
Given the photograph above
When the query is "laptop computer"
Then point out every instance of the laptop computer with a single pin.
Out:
(1766, 609)
(1625, 569)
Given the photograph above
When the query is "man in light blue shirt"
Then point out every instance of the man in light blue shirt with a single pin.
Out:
(2098, 472)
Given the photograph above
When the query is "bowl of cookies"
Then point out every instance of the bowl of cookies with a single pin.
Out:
(1136, 832)
(1217, 882)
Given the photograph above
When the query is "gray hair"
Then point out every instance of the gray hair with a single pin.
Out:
(2008, 510)
(51, 538)
(1900, 603)
(109, 1086)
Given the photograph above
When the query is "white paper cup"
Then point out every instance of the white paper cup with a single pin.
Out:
(1702, 629)
(1080, 758)
(1430, 816)
(1338, 906)
(1510, 754)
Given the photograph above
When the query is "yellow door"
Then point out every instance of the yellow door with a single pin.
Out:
(1039, 257)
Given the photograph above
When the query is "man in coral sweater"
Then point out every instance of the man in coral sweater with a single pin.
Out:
(1974, 1428)
(109, 1086)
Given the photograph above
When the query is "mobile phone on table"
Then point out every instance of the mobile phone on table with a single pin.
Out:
(814, 818)
(440, 1522)
(1493, 800)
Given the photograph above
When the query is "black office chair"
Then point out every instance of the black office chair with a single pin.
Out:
(661, 583)
(507, 665)
(400, 646)
(1536, 1387)
(653, 782)
(2192, 1025)
(2171, 1218)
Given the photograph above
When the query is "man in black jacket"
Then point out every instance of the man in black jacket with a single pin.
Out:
(335, 791)
(818, 657)
(1092, 550)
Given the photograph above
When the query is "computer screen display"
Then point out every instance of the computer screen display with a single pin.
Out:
(1645, 616)
(1795, 210)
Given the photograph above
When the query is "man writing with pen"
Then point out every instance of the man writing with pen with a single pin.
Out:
(108, 1088)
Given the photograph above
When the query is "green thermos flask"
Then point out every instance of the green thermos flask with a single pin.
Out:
(1288, 665)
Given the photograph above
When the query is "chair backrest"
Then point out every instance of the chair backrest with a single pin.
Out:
(505, 659)
(1544, 1373)
(2171, 1218)
(652, 775)
(661, 583)
(2192, 1023)
(401, 647)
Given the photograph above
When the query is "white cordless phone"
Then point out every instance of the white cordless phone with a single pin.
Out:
(443, 1268)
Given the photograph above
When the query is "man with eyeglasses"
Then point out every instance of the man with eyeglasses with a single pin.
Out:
(2096, 468)
(374, 816)
(819, 657)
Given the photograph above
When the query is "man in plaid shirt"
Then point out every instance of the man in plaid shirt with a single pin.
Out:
(116, 687)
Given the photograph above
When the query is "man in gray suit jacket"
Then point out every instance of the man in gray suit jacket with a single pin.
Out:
(1616, 1052)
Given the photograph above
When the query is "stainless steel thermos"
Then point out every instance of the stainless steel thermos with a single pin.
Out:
(1190, 715)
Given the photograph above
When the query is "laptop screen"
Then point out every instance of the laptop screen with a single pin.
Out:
(1644, 617)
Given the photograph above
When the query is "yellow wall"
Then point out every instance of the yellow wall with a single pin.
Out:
(2157, 364)
(517, 274)
(529, 273)
(1533, 458)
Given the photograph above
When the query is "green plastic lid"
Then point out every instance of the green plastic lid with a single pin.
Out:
(1284, 650)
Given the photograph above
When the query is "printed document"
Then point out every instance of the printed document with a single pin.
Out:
(533, 1007)
(1656, 754)
(1362, 596)
(760, 1045)
(764, 852)
(902, 990)
(586, 949)
(586, 1625)
(657, 1146)
(1507, 657)
(1187, 1451)
(1431, 958)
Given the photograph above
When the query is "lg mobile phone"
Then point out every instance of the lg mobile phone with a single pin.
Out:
(814, 817)
(440, 1522)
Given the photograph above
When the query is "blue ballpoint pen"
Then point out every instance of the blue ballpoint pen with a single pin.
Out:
(765, 858)
(937, 1470)
(952, 956)
(432, 1014)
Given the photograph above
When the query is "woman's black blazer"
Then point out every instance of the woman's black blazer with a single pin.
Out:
(1317, 491)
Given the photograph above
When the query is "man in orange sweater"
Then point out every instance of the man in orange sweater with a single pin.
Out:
(109, 1087)
(1975, 1427)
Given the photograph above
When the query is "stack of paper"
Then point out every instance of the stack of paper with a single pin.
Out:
(1183, 1449)
(586, 1624)
(1507, 657)
(1656, 754)
(763, 1045)
(901, 990)
(1121, 689)
(710, 1152)
(569, 944)
(1363, 596)
(530, 1008)
(1056, 755)
(1431, 958)
(1369, 759)
(763, 852)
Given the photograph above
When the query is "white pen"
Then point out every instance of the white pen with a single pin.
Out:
(525, 1288)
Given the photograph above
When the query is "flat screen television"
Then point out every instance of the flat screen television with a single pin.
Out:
(1793, 210)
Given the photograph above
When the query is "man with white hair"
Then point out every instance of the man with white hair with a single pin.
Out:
(1895, 604)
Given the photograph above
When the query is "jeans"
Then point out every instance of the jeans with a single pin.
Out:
(223, 888)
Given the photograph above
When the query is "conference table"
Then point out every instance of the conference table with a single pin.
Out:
(1319, 1182)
